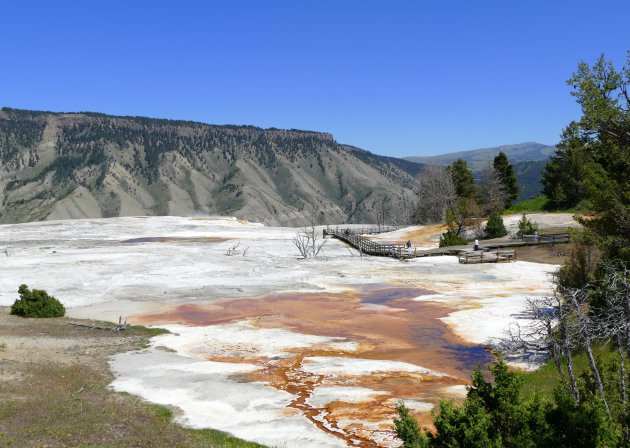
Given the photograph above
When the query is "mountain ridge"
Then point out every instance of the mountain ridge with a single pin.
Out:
(519, 152)
(528, 159)
(59, 165)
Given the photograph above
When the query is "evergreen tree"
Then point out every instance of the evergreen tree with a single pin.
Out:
(526, 227)
(563, 176)
(604, 94)
(493, 415)
(506, 173)
(36, 303)
(462, 178)
(596, 151)
(408, 430)
(450, 238)
(495, 227)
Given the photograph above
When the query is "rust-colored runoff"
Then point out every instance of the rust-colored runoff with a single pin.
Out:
(385, 323)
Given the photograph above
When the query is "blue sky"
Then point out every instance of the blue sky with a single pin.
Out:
(394, 77)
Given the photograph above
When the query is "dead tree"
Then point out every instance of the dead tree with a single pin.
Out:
(383, 209)
(578, 318)
(234, 250)
(614, 319)
(308, 241)
(615, 286)
(579, 299)
(567, 344)
(435, 194)
(548, 331)
(492, 193)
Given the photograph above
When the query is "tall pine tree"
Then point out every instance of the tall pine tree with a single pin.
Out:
(563, 176)
(505, 170)
(462, 178)
(593, 160)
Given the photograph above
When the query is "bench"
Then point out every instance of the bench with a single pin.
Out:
(505, 255)
(470, 257)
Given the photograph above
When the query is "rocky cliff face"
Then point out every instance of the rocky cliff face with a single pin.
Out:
(57, 166)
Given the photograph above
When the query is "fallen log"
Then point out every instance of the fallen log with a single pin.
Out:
(101, 327)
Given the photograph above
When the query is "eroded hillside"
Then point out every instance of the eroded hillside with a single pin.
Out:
(57, 165)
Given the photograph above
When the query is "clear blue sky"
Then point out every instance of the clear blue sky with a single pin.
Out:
(397, 78)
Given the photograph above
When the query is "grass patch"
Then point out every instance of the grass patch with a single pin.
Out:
(71, 406)
(540, 204)
(584, 207)
(149, 331)
(60, 395)
(536, 204)
(544, 380)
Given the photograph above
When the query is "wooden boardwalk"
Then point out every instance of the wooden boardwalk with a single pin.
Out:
(355, 238)
(490, 252)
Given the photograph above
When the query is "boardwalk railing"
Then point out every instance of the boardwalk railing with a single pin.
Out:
(364, 230)
(493, 251)
(552, 238)
(355, 238)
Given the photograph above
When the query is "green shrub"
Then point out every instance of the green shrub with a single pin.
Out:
(36, 303)
(408, 430)
(496, 415)
(495, 227)
(450, 238)
(526, 227)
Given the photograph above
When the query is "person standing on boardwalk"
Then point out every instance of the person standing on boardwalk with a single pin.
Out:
(408, 246)
(476, 244)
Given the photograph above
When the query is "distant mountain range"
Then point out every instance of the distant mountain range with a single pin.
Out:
(528, 160)
(477, 158)
(80, 165)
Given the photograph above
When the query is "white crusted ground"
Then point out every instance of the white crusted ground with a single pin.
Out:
(89, 266)
(332, 365)
(325, 395)
(209, 397)
(491, 300)
(240, 340)
(544, 220)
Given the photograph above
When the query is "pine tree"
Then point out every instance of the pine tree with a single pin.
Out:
(598, 148)
(407, 429)
(563, 176)
(505, 170)
(462, 178)
(495, 227)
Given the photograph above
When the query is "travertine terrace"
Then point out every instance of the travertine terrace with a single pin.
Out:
(267, 346)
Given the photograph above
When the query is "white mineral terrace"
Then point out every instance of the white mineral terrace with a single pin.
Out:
(313, 366)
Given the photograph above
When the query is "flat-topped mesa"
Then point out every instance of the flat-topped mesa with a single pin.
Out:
(181, 126)
(58, 165)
